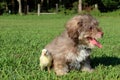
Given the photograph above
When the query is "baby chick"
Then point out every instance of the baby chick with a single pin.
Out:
(45, 60)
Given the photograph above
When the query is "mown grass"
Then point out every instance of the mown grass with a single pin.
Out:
(23, 37)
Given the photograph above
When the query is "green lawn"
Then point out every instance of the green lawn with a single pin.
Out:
(23, 37)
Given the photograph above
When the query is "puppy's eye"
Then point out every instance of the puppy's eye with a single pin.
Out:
(90, 28)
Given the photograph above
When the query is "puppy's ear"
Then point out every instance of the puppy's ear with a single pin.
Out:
(73, 26)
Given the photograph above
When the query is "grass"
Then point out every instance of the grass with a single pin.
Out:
(23, 37)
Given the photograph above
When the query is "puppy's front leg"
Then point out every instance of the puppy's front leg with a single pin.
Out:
(86, 65)
(60, 67)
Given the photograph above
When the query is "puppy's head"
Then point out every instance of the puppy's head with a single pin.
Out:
(83, 29)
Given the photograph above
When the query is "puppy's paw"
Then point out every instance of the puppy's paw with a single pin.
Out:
(88, 70)
(60, 73)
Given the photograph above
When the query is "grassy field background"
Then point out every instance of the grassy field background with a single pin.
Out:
(23, 37)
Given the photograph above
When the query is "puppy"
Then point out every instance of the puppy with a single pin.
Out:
(72, 49)
(45, 60)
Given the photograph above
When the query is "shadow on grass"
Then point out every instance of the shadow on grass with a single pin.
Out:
(106, 61)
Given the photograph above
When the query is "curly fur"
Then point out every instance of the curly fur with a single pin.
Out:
(71, 50)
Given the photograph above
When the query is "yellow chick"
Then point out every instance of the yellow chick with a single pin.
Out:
(45, 60)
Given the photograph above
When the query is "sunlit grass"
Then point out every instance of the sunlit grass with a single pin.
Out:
(23, 37)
